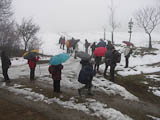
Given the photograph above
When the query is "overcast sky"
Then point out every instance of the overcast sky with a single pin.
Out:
(76, 15)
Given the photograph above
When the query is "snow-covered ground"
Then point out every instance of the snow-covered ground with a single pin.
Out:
(72, 67)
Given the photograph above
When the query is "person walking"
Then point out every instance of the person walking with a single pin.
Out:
(63, 42)
(111, 60)
(76, 48)
(55, 70)
(85, 77)
(93, 47)
(32, 65)
(6, 63)
(127, 53)
(86, 45)
(68, 46)
(60, 41)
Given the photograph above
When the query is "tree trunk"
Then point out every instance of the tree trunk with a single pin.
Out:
(104, 34)
(150, 41)
(130, 37)
(25, 46)
(112, 37)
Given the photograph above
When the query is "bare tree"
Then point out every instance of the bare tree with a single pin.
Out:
(9, 40)
(112, 21)
(5, 9)
(28, 31)
(35, 43)
(148, 18)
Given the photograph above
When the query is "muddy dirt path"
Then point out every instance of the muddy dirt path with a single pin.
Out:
(19, 108)
(136, 110)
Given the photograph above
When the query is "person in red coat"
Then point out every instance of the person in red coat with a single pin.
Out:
(32, 65)
(55, 70)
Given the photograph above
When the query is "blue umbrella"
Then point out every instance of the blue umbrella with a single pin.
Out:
(59, 59)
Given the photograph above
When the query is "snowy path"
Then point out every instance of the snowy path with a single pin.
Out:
(106, 103)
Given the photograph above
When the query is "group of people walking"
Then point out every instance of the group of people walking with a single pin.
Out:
(110, 58)
(88, 70)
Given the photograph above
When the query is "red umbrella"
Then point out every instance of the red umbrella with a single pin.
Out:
(128, 43)
(100, 51)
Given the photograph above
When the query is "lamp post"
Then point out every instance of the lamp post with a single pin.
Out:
(130, 26)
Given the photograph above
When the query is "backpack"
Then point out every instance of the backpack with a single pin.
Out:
(118, 57)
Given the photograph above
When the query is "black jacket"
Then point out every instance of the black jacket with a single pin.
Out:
(5, 61)
(111, 60)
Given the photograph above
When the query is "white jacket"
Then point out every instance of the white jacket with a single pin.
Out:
(76, 47)
(126, 51)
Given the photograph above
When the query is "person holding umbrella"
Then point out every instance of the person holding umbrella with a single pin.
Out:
(6, 63)
(99, 52)
(32, 65)
(55, 69)
(85, 77)
(32, 57)
(127, 53)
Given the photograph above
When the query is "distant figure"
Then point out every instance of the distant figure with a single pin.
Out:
(127, 53)
(97, 63)
(68, 45)
(32, 65)
(86, 45)
(60, 40)
(76, 48)
(93, 47)
(85, 77)
(63, 42)
(112, 57)
(55, 70)
(6, 63)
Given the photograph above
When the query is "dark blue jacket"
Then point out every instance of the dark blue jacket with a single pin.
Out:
(86, 74)
(101, 44)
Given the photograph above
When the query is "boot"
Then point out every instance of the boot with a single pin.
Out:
(89, 92)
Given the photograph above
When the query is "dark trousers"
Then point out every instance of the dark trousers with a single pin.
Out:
(112, 71)
(127, 61)
(56, 85)
(63, 46)
(32, 71)
(68, 50)
(96, 66)
(75, 55)
(5, 74)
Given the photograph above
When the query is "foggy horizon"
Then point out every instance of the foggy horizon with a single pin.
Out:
(77, 15)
